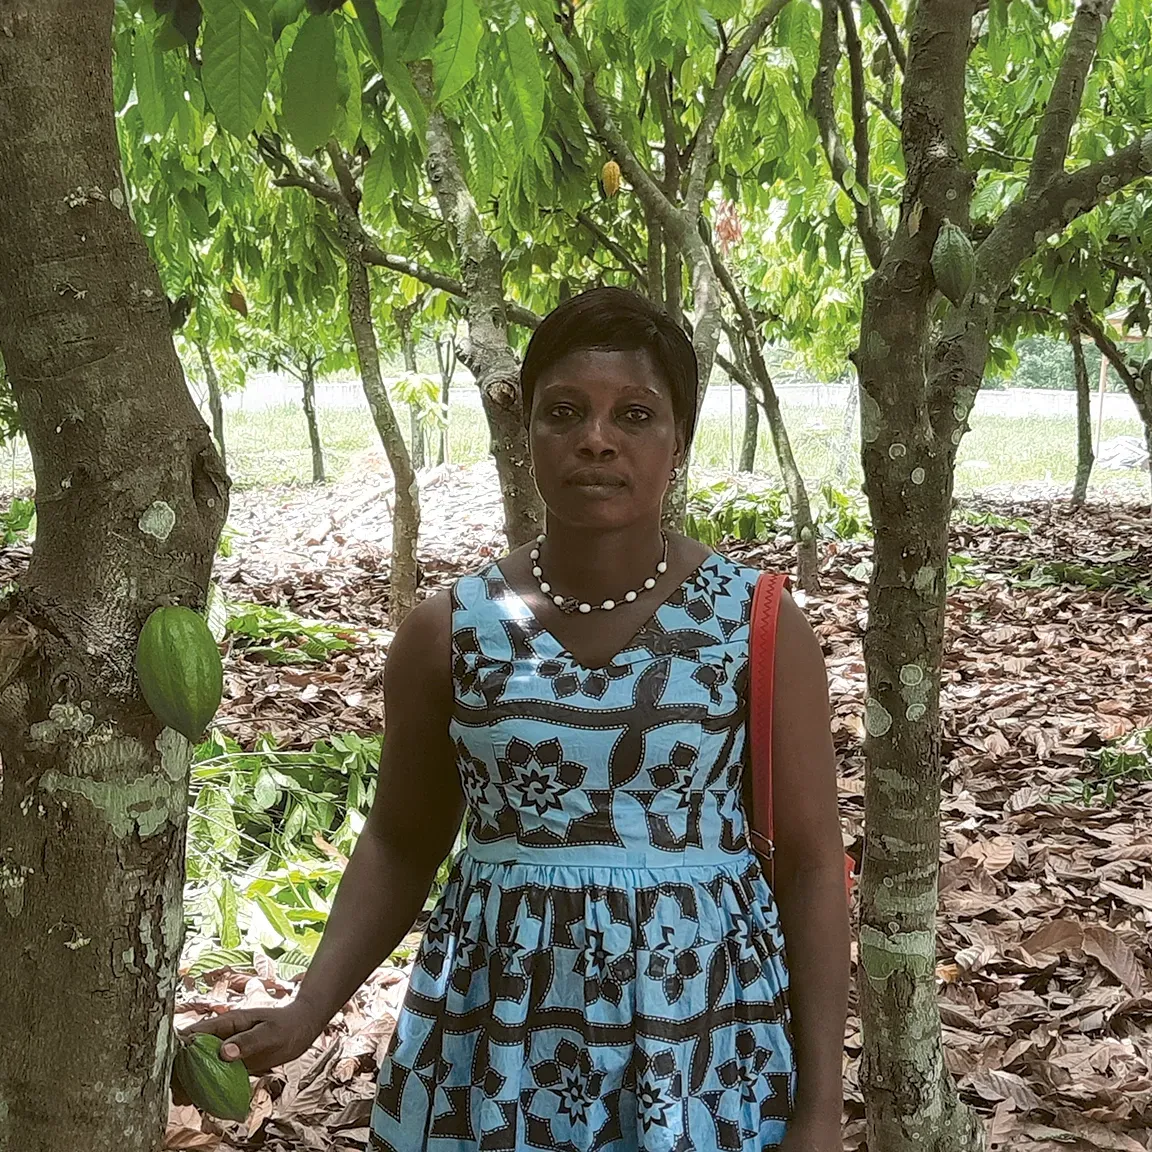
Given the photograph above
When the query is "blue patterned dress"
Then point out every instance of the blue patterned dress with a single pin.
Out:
(605, 968)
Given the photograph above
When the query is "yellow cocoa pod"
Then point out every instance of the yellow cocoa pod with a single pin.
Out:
(610, 178)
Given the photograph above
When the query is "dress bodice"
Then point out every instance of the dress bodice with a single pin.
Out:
(637, 763)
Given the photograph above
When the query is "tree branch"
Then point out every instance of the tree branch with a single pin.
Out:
(643, 182)
(823, 108)
(704, 140)
(373, 255)
(618, 250)
(344, 175)
(860, 141)
(1053, 207)
(329, 194)
(1051, 149)
(893, 36)
(1108, 347)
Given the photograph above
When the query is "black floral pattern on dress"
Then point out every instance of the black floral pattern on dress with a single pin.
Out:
(538, 782)
(606, 962)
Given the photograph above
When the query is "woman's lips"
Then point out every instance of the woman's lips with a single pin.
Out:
(595, 479)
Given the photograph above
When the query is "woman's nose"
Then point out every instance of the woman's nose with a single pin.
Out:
(597, 438)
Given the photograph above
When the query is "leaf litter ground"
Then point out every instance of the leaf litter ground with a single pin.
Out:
(1044, 967)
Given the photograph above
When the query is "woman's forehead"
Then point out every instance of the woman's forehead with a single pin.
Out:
(629, 368)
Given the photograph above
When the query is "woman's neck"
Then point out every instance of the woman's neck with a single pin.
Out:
(597, 564)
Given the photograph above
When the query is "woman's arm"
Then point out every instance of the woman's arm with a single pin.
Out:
(809, 876)
(414, 819)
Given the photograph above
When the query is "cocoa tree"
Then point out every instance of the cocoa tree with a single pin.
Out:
(131, 496)
(921, 359)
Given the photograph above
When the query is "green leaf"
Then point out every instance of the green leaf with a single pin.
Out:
(235, 69)
(400, 84)
(194, 212)
(149, 84)
(226, 908)
(310, 104)
(454, 56)
(417, 24)
(378, 181)
(283, 13)
(369, 16)
(264, 791)
(522, 83)
(350, 84)
(997, 39)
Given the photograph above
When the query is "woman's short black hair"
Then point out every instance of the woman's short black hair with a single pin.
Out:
(615, 320)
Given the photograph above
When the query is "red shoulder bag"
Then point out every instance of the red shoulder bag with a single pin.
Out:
(762, 675)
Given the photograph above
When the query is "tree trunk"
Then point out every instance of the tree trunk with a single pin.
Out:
(910, 427)
(131, 496)
(751, 370)
(488, 353)
(415, 424)
(309, 382)
(215, 403)
(655, 267)
(1084, 456)
(751, 433)
(849, 446)
(406, 501)
(446, 358)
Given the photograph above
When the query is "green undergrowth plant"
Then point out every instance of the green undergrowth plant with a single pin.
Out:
(1112, 574)
(980, 518)
(744, 508)
(277, 636)
(18, 521)
(1124, 761)
(269, 834)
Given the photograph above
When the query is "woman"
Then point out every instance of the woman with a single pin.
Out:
(606, 967)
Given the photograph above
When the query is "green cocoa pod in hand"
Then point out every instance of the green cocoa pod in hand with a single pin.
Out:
(179, 669)
(953, 262)
(218, 1087)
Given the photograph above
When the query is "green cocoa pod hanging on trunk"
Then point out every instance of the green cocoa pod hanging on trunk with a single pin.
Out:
(179, 669)
(218, 1087)
(953, 262)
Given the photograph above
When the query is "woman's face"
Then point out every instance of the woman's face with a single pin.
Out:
(604, 439)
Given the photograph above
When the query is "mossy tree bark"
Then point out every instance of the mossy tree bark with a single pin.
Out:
(131, 496)
(921, 362)
(405, 316)
(406, 498)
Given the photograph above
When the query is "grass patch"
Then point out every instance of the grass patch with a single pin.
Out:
(270, 446)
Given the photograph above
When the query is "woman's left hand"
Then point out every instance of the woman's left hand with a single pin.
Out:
(813, 1136)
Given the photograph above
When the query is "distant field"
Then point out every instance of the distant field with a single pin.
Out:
(271, 447)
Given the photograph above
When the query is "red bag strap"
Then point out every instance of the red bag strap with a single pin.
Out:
(761, 681)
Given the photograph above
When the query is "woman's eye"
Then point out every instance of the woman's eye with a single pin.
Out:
(637, 415)
(562, 411)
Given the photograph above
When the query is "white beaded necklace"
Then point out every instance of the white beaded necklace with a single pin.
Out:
(571, 604)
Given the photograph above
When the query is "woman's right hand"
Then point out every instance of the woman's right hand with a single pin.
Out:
(264, 1038)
